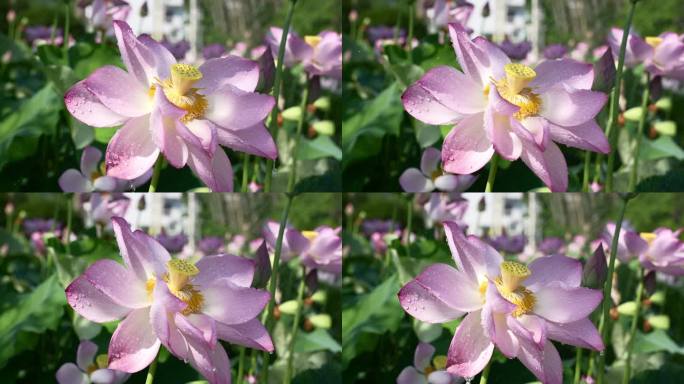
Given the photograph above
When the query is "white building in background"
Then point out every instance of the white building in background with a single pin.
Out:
(503, 211)
(506, 18)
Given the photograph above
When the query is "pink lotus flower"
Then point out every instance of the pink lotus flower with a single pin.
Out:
(102, 207)
(512, 109)
(444, 12)
(321, 54)
(88, 369)
(514, 307)
(104, 12)
(91, 178)
(320, 249)
(662, 55)
(430, 176)
(423, 372)
(163, 301)
(175, 109)
(660, 251)
(442, 207)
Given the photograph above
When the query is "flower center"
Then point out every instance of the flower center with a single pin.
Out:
(313, 41)
(101, 362)
(178, 279)
(514, 89)
(508, 285)
(654, 41)
(648, 236)
(310, 235)
(180, 92)
(435, 174)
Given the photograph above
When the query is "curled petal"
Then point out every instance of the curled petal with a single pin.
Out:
(131, 152)
(87, 108)
(215, 171)
(470, 349)
(571, 107)
(251, 334)
(134, 344)
(138, 58)
(587, 136)
(256, 140)
(549, 165)
(567, 71)
(466, 148)
(91, 303)
(232, 108)
(581, 333)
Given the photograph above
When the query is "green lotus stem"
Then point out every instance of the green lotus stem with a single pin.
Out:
(607, 285)
(485, 373)
(150, 371)
(578, 366)
(241, 366)
(268, 315)
(409, 224)
(67, 230)
(295, 327)
(300, 127)
(155, 174)
(585, 176)
(276, 89)
(611, 130)
(632, 332)
(245, 173)
(493, 167)
(65, 42)
(409, 36)
(634, 177)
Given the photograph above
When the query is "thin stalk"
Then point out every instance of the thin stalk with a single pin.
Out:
(409, 224)
(605, 309)
(155, 174)
(241, 366)
(67, 230)
(485, 373)
(245, 173)
(65, 42)
(585, 178)
(634, 177)
(295, 327)
(633, 329)
(409, 36)
(151, 371)
(268, 315)
(611, 130)
(298, 134)
(578, 366)
(276, 89)
(493, 167)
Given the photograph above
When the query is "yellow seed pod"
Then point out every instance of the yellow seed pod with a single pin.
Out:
(180, 271)
(654, 41)
(183, 76)
(310, 234)
(518, 76)
(312, 40)
(648, 236)
(513, 273)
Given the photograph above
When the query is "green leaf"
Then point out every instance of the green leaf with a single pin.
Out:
(374, 313)
(426, 135)
(366, 125)
(34, 312)
(318, 340)
(320, 147)
(34, 117)
(663, 146)
(656, 341)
